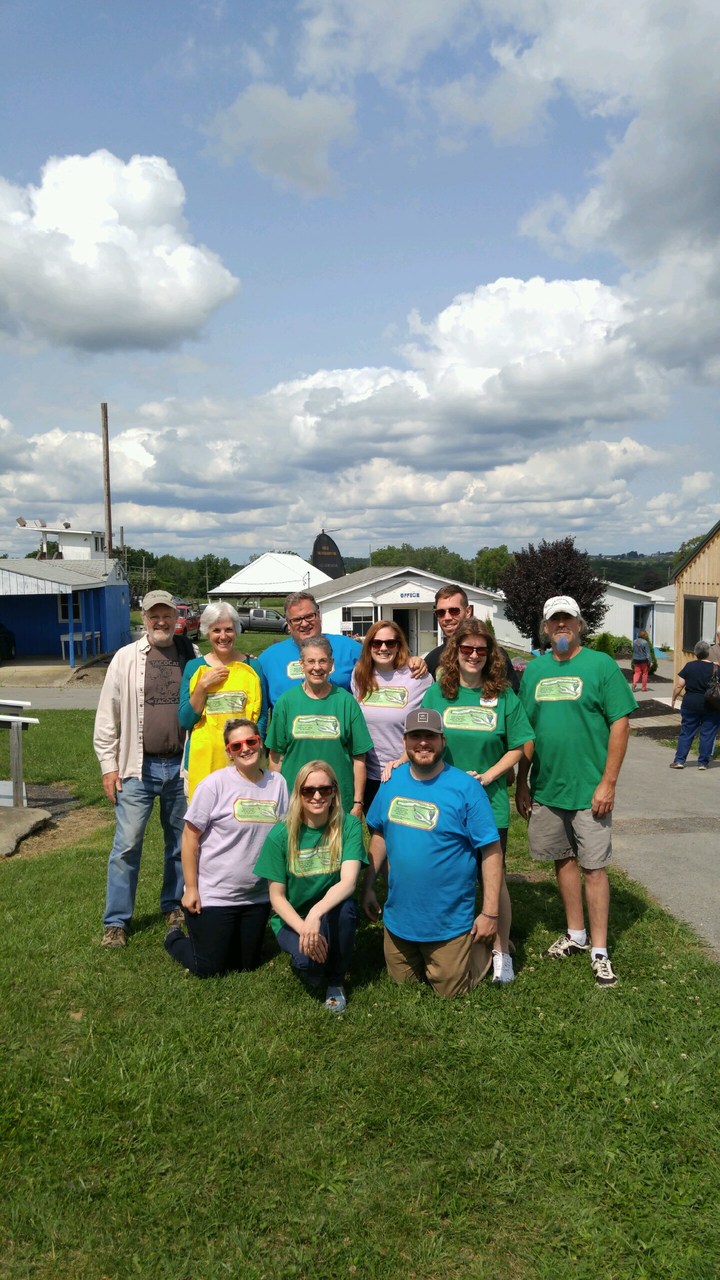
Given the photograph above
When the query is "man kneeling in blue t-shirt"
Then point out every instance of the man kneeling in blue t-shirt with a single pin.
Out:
(433, 824)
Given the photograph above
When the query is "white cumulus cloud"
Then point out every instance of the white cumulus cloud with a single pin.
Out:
(98, 257)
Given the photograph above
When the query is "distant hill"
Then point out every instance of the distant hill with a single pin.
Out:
(644, 572)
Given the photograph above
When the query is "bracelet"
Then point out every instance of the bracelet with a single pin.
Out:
(488, 916)
(356, 802)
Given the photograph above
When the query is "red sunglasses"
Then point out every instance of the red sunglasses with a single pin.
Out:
(251, 743)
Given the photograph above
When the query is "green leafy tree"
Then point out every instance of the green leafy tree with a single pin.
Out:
(551, 569)
(491, 564)
(686, 548)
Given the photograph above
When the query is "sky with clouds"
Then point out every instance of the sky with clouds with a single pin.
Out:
(426, 271)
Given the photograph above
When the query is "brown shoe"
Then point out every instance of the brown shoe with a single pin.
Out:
(114, 936)
(175, 919)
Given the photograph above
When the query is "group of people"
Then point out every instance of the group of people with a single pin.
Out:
(272, 825)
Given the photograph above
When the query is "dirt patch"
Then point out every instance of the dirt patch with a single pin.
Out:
(653, 708)
(70, 829)
(93, 675)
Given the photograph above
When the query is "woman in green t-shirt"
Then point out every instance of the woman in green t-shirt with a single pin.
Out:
(312, 861)
(485, 730)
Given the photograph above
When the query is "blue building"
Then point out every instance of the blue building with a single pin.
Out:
(74, 605)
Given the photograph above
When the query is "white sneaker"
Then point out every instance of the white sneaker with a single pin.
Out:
(502, 968)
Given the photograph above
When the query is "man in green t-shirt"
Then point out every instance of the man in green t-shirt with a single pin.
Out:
(578, 702)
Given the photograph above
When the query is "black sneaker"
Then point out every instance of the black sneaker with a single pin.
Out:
(603, 972)
(564, 947)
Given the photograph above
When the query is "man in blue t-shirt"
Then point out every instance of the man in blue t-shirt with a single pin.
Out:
(434, 824)
(280, 662)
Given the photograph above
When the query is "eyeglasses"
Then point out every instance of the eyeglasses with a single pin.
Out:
(384, 644)
(467, 650)
(453, 612)
(309, 793)
(302, 617)
(250, 743)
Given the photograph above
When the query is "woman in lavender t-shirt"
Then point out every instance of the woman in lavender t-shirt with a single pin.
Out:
(387, 690)
(226, 905)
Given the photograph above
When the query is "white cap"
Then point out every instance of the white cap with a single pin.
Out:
(560, 604)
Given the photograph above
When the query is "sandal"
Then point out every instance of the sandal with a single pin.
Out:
(335, 1001)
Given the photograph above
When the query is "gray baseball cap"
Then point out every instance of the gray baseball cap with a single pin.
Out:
(426, 718)
(157, 597)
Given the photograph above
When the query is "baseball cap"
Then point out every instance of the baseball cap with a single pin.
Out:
(157, 597)
(560, 604)
(428, 719)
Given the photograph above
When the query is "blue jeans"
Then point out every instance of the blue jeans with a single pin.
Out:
(338, 927)
(691, 723)
(160, 778)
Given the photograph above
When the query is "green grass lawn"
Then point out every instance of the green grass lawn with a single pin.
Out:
(159, 1126)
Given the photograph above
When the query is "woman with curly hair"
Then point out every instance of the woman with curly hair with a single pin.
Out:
(312, 861)
(387, 690)
(485, 730)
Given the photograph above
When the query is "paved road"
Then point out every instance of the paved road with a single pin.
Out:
(67, 698)
(666, 833)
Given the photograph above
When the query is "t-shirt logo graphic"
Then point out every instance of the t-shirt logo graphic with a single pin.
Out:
(393, 697)
(226, 704)
(316, 727)
(294, 670)
(559, 689)
(421, 814)
(313, 862)
(246, 810)
(475, 718)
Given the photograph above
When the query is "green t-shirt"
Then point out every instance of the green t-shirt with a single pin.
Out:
(308, 885)
(478, 732)
(331, 729)
(571, 706)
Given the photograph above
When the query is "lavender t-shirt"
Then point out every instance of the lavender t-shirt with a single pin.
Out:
(234, 817)
(385, 710)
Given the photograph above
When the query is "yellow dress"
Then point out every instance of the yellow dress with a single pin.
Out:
(240, 694)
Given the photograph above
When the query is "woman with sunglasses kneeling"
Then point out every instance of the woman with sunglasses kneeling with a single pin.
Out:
(485, 730)
(387, 691)
(312, 861)
(226, 904)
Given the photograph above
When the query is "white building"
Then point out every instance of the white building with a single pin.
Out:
(276, 573)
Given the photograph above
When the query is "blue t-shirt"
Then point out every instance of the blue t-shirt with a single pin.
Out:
(281, 664)
(432, 831)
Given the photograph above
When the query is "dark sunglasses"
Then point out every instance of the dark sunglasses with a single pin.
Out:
(384, 644)
(467, 650)
(309, 793)
(252, 743)
(453, 612)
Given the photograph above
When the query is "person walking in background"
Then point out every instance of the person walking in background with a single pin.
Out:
(696, 717)
(138, 742)
(386, 690)
(578, 702)
(642, 657)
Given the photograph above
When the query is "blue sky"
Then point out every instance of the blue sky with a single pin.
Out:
(440, 271)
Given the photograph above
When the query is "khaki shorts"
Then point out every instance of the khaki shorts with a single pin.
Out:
(554, 834)
(452, 967)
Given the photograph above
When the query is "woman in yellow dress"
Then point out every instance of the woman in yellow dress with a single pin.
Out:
(219, 686)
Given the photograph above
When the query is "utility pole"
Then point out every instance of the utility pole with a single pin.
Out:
(106, 479)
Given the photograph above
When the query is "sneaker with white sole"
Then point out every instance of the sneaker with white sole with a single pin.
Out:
(603, 972)
(502, 968)
(114, 936)
(565, 947)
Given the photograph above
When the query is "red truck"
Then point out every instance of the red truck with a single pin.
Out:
(188, 620)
